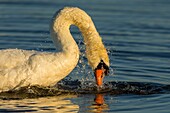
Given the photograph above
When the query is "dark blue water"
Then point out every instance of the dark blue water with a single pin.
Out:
(137, 36)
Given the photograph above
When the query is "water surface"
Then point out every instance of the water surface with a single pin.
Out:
(137, 36)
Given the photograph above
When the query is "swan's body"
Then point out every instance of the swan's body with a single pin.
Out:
(20, 68)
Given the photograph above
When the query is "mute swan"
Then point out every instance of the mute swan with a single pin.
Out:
(20, 68)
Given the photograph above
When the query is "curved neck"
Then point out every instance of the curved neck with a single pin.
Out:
(64, 42)
(60, 28)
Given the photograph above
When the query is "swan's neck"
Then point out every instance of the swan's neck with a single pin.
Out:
(63, 39)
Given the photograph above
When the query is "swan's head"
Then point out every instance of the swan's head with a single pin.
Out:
(100, 71)
(98, 60)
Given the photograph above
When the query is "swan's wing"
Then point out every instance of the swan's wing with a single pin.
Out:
(10, 58)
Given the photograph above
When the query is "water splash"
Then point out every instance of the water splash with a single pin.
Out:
(87, 87)
(140, 88)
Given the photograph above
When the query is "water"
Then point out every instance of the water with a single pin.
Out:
(137, 35)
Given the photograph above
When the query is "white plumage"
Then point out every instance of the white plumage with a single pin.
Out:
(20, 68)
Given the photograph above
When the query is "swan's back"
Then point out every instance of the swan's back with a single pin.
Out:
(19, 68)
(10, 58)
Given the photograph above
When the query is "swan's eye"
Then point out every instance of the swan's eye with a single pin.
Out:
(106, 71)
(104, 67)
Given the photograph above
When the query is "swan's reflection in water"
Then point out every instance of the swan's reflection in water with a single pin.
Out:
(99, 105)
(99, 99)
(57, 104)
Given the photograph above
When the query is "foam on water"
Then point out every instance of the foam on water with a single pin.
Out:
(77, 87)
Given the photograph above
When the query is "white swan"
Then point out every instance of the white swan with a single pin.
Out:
(20, 68)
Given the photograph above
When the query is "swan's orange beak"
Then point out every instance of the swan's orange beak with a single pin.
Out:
(99, 75)
(100, 71)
